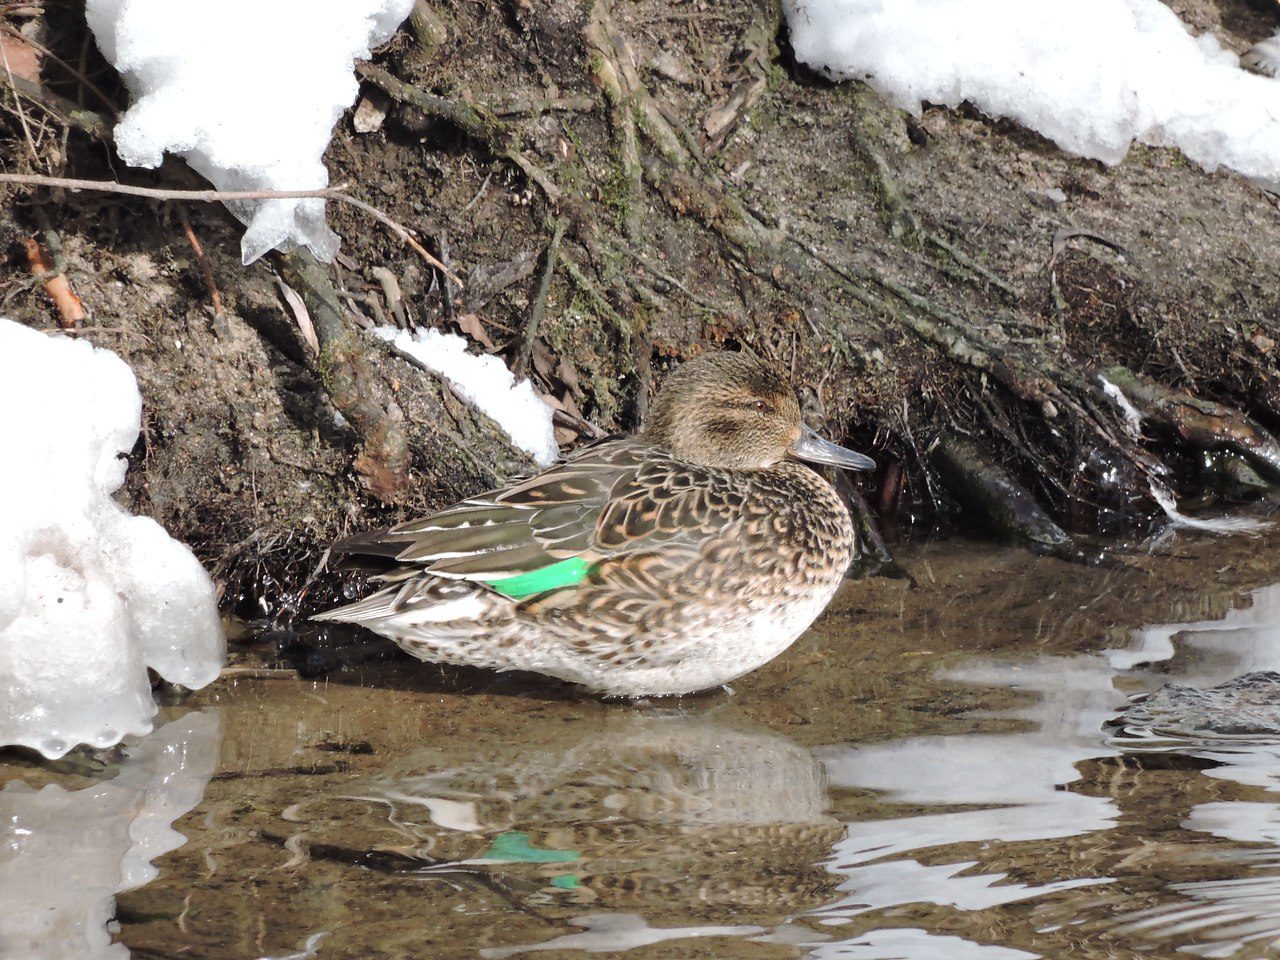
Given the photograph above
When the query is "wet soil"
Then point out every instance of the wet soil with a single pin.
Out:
(931, 772)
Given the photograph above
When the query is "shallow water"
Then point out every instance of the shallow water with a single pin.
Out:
(935, 772)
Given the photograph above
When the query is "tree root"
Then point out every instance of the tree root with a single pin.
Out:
(348, 378)
(525, 353)
(1199, 423)
(906, 227)
(1007, 506)
(473, 119)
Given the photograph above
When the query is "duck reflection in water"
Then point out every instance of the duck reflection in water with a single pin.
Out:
(647, 810)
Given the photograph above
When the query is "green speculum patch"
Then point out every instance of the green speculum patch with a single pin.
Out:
(565, 573)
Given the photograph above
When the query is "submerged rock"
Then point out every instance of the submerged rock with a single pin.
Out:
(1246, 706)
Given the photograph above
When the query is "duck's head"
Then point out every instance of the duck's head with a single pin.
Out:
(733, 410)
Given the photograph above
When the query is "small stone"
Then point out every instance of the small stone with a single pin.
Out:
(666, 64)
(370, 112)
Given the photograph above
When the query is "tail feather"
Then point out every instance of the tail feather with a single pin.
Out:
(373, 607)
(417, 602)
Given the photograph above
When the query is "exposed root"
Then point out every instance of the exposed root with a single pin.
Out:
(906, 227)
(525, 353)
(473, 119)
(1007, 506)
(1200, 423)
(348, 378)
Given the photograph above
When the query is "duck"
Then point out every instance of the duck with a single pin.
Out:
(662, 563)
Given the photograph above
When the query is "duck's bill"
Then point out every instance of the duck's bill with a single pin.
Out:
(813, 449)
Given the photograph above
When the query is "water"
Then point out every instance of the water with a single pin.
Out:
(937, 772)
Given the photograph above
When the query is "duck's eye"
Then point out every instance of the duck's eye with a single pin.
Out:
(759, 406)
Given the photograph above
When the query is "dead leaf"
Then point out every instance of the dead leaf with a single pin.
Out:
(1262, 343)
(470, 324)
(301, 315)
(20, 58)
(543, 362)
(567, 374)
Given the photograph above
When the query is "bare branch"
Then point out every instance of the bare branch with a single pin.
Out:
(222, 196)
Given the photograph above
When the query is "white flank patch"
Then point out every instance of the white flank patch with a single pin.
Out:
(1132, 418)
(89, 595)
(486, 383)
(1169, 505)
(247, 91)
(1092, 75)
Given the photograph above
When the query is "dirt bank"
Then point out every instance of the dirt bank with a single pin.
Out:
(932, 281)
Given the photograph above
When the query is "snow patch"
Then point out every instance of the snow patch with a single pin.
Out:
(1092, 75)
(247, 92)
(89, 595)
(487, 384)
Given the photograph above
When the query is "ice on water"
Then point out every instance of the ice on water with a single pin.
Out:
(90, 596)
(1091, 75)
(65, 854)
(247, 92)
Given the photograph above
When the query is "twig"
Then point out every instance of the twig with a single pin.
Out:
(17, 102)
(205, 270)
(72, 113)
(399, 230)
(79, 75)
(448, 286)
(521, 369)
(584, 427)
(256, 673)
(479, 193)
(222, 196)
(80, 331)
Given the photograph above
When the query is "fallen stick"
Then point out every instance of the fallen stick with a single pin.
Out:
(206, 270)
(56, 285)
(222, 196)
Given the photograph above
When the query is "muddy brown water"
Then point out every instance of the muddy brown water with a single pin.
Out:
(930, 773)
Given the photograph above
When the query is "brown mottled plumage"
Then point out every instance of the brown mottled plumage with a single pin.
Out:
(659, 564)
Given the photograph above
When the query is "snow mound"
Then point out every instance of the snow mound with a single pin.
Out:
(247, 92)
(487, 384)
(89, 595)
(65, 854)
(1092, 75)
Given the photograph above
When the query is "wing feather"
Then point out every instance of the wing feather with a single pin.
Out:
(615, 498)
